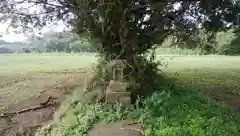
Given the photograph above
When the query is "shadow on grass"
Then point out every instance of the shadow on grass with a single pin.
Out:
(157, 84)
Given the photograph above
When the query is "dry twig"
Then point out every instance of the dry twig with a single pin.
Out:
(41, 106)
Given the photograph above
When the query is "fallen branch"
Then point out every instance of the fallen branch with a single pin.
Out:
(47, 101)
(2, 132)
(41, 106)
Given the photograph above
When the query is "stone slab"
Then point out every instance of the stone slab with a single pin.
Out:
(115, 97)
(121, 128)
(125, 99)
(117, 86)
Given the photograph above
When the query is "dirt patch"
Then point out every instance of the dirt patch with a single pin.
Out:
(31, 90)
(229, 99)
(232, 100)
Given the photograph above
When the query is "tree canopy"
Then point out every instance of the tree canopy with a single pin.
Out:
(140, 23)
(128, 29)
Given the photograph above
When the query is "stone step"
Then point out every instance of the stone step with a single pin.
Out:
(117, 86)
(116, 97)
(120, 128)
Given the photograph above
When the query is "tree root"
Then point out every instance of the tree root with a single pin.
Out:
(41, 106)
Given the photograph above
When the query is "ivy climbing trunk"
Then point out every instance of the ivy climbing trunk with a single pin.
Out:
(124, 33)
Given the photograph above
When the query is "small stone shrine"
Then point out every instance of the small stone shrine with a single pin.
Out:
(117, 89)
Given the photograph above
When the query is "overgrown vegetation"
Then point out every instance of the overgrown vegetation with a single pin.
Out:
(176, 111)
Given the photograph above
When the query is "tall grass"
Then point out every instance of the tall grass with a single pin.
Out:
(179, 51)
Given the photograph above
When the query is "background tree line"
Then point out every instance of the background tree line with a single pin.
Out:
(226, 43)
(49, 42)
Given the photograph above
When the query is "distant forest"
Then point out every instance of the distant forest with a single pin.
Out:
(226, 43)
(49, 42)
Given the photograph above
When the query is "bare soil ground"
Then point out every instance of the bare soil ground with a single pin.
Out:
(229, 99)
(23, 91)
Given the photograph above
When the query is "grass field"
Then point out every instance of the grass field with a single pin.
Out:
(25, 63)
(23, 77)
(221, 73)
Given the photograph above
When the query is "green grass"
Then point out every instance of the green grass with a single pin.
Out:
(224, 80)
(177, 112)
(206, 73)
(44, 62)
